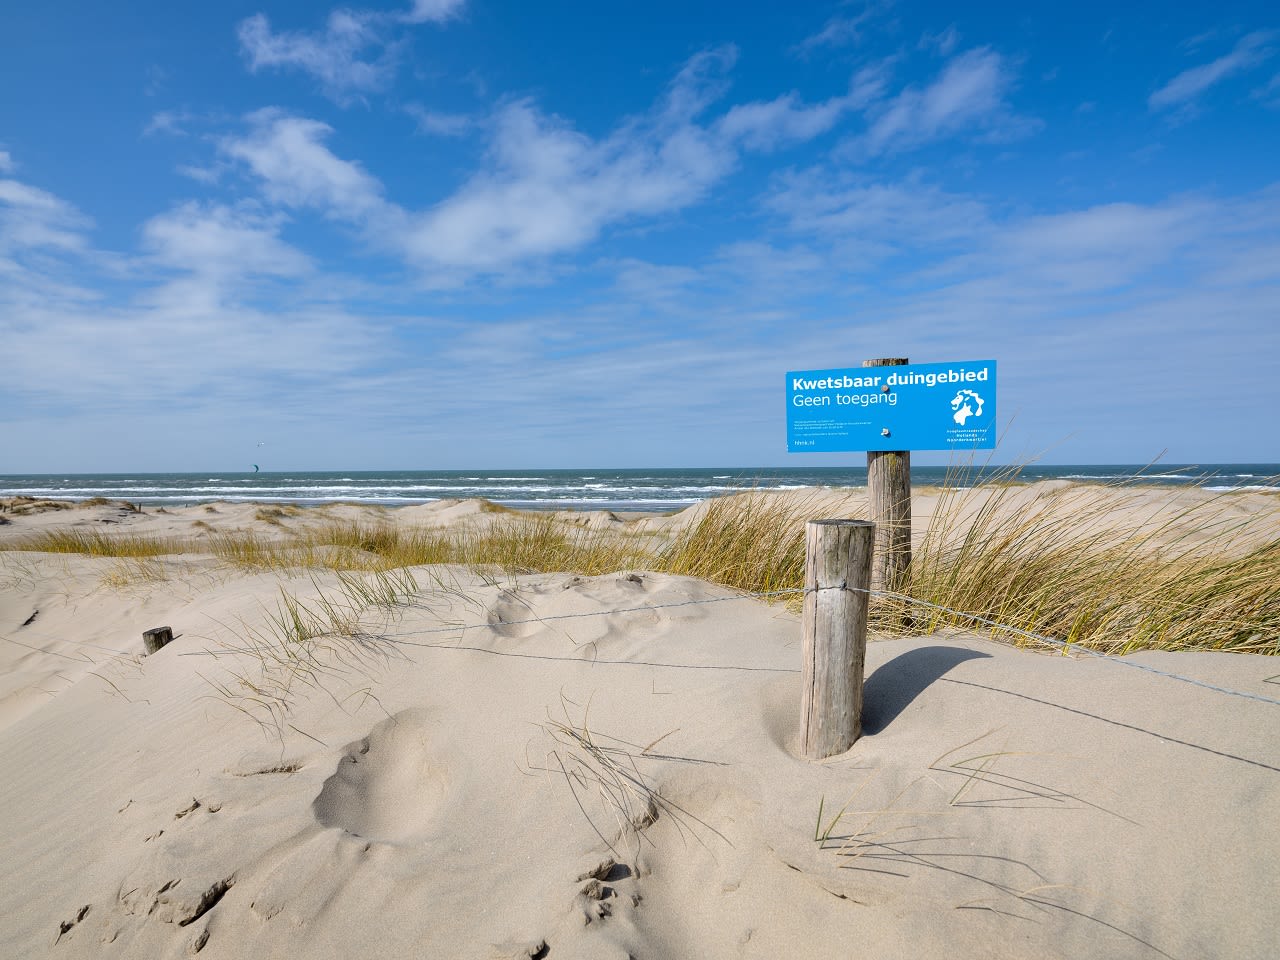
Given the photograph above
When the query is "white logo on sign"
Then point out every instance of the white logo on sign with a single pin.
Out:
(966, 404)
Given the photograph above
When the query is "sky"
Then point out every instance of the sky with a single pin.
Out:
(489, 233)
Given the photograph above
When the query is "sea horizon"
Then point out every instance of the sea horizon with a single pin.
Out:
(630, 489)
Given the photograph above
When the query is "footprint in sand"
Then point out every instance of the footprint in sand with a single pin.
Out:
(176, 882)
(389, 785)
(513, 616)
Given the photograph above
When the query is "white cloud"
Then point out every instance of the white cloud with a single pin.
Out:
(214, 310)
(32, 218)
(767, 125)
(356, 52)
(549, 188)
(844, 31)
(200, 353)
(220, 241)
(639, 281)
(1248, 52)
(1269, 93)
(297, 169)
(836, 32)
(880, 218)
(543, 187)
(433, 11)
(157, 80)
(439, 123)
(701, 82)
(237, 338)
(20, 196)
(167, 121)
(208, 175)
(348, 56)
(955, 243)
(968, 96)
(944, 42)
(6, 162)
(763, 278)
(1098, 248)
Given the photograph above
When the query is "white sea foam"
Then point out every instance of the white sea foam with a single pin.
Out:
(634, 489)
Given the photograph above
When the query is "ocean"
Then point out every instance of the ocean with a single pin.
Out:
(623, 490)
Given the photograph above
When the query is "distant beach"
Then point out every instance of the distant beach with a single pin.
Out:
(590, 489)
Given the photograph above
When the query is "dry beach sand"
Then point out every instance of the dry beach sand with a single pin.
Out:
(550, 765)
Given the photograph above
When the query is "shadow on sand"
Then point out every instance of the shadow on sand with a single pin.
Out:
(893, 686)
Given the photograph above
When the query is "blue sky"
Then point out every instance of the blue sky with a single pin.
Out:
(472, 233)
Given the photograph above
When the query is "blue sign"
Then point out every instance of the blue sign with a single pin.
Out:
(917, 406)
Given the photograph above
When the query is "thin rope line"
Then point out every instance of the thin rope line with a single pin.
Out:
(82, 643)
(594, 660)
(596, 613)
(1017, 631)
(396, 638)
(1116, 723)
(1066, 645)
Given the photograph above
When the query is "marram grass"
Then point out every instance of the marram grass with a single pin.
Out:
(1189, 573)
(753, 542)
(1066, 564)
(96, 543)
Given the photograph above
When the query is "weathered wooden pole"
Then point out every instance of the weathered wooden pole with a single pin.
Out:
(837, 575)
(889, 497)
(156, 638)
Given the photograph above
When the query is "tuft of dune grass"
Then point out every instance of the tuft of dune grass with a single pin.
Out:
(754, 542)
(1088, 565)
(96, 543)
(542, 542)
(127, 572)
(1068, 565)
(269, 515)
(312, 645)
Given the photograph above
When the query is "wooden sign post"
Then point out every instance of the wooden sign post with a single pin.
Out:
(834, 626)
(887, 413)
(889, 498)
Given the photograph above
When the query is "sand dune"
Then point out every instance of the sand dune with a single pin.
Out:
(564, 766)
